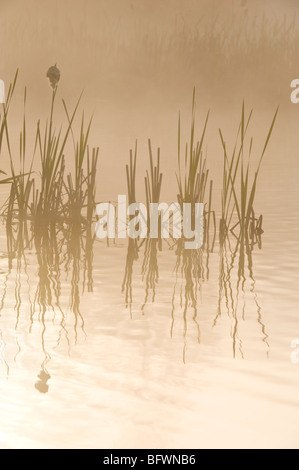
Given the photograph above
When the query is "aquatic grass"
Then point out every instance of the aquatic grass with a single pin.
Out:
(149, 269)
(133, 248)
(80, 188)
(240, 200)
(5, 134)
(51, 147)
(192, 173)
(51, 210)
(5, 109)
(22, 182)
(131, 176)
(16, 207)
(62, 229)
(192, 179)
(92, 162)
(51, 196)
(207, 222)
(153, 182)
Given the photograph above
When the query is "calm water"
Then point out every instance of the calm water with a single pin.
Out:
(118, 350)
(128, 346)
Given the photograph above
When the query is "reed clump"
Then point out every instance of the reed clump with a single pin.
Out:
(153, 181)
(193, 174)
(238, 187)
(41, 191)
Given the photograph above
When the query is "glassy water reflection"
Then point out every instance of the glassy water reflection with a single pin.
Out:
(43, 264)
(113, 318)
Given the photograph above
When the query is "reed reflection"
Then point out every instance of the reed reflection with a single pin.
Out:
(191, 271)
(64, 260)
(239, 220)
(132, 256)
(237, 285)
(133, 244)
(49, 219)
(149, 269)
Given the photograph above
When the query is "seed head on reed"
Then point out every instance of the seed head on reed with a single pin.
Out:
(53, 75)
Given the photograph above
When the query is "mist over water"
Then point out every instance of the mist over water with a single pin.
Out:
(141, 344)
(138, 63)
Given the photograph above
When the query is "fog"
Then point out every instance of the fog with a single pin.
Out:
(138, 62)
